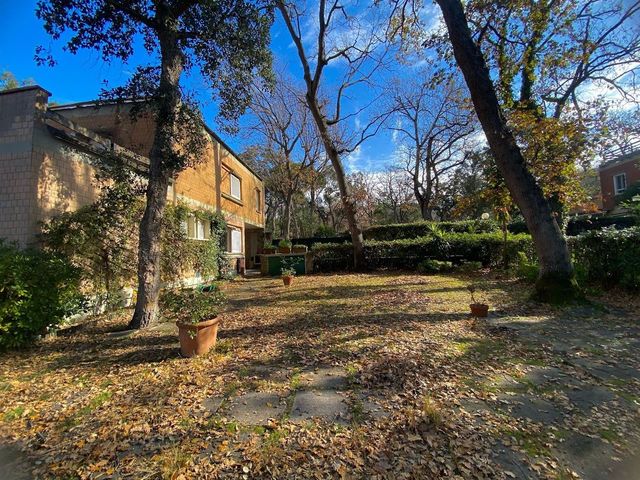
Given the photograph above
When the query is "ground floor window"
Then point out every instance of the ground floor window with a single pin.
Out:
(234, 242)
(196, 229)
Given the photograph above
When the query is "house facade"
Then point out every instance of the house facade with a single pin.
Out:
(47, 155)
(616, 176)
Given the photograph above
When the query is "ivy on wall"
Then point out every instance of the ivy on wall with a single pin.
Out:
(101, 239)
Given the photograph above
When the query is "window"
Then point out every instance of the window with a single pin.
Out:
(258, 201)
(196, 229)
(236, 190)
(619, 183)
(235, 240)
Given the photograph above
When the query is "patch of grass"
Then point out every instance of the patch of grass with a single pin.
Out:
(95, 402)
(357, 412)
(13, 414)
(274, 438)
(432, 412)
(223, 346)
(172, 461)
(231, 388)
(531, 442)
(608, 434)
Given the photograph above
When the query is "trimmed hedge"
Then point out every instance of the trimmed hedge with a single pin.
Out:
(486, 248)
(609, 256)
(421, 229)
(585, 223)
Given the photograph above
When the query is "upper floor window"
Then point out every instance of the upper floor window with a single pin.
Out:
(258, 200)
(619, 183)
(236, 190)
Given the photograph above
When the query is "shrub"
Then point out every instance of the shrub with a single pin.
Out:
(584, 223)
(192, 305)
(37, 291)
(434, 266)
(609, 256)
(421, 229)
(284, 243)
(470, 267)
(486, 248)
(526, 268)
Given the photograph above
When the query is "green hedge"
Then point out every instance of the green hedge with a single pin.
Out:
(486, 248)
(421, 229)
(609, 256)
(37, 291)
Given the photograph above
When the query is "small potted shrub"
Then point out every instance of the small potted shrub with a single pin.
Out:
(478, 309)
(196, 315)
(299, 248)
(288, 271)
(268, 248)
(284, 246)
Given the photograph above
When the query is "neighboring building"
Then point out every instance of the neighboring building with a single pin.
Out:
(46, 168)
(616, 176)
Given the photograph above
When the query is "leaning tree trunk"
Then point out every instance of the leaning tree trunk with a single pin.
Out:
(345, 195)
(149, 247)
(556, 280)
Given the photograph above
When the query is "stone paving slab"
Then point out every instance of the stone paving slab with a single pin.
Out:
(256, 408)
(532, 408)
(540, 375)
(590, 396)
(327, 405)
(332, 378)
(590, 457)
(13, 464)
(513, 461)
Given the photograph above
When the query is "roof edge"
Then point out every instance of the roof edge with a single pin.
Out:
(24, 89)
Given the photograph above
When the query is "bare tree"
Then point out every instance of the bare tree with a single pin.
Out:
(292, 145)
(395, 196)
(353, 43)
(437, 123)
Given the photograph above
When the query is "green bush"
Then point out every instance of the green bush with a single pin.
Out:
(486, 248)
(526, 268)
(468, 267)
(609, 256)
(434, 266)
(422, 229)
(37, 291)
(192, 305)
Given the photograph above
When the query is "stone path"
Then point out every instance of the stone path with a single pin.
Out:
(595, 358)
(317, 394)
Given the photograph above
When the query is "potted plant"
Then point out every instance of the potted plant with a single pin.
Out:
(288, 270)
(268, 248)
(284, 246)
(196, 315)
(299, 248)
(478, 309)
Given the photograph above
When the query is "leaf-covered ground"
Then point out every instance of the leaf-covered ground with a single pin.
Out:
(533, 392)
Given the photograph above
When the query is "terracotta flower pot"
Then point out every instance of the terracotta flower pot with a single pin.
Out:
(299, 249)
(269, 251)
(197, 338)
(287, 280)
(479, 309)
(284, 250)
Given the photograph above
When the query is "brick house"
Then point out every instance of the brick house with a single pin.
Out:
(616, 176)
(46, 154)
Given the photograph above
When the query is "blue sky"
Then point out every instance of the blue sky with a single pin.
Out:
(80, 77)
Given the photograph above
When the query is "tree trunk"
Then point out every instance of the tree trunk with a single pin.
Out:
(556, 280)
(286, 230)
(347, 200)
(149, 247)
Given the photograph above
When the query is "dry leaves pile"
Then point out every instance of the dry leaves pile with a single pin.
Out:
(94, 405)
